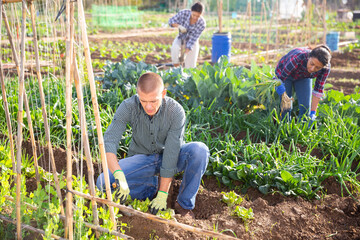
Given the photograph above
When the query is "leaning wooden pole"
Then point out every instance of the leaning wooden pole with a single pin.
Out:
(20, 123)
(30, 228)
(97, 228)
(69, 62)
(44, 113)
(154, 218)
(5, 102)
(95, 106)
(85, 138)
(26, 102)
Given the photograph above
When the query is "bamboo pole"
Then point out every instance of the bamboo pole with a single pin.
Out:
(153, 217)
(261, 20)
(85, 137)
(268, 35)
(324, 21)
(86, 224)
(277, 24)
(95, 106)
(20, 124)
(11, 1)
(220, 11)
(249, 19)
(28, 227)
(308, 20)
(291, 23)
(69, 59)
(44, 113)
(5, 102)
(26, 102)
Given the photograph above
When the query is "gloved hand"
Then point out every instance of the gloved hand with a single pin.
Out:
(158, 203)
(121, 187)
(313, 115)
(182, 29)
(280, 89)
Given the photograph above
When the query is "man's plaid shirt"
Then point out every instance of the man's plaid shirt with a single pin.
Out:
(193, 31)
(294, 64)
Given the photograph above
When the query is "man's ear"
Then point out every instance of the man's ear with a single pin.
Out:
(163, 93)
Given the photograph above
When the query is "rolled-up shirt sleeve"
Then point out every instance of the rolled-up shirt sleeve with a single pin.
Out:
(114, 133)
(178, 18)
(320, 82)
(173, 144)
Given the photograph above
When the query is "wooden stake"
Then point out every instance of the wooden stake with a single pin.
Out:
(85, 137)
(28, 227)
(268, 36)
(26, 102)
(89, 225)
(220, 11)
(277, 24)
(249, 19)
(45, 119)
(20, 124)
(152, 217)
(308, 20)
(324, 21)
(6, 106)
(69, 59)
(95, 106)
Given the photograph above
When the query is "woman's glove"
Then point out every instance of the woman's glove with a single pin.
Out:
(158, 203)
(313, 115)
(280, 89)
(182, 29)
(121, 187)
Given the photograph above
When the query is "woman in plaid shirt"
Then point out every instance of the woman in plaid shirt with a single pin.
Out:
(296, 70)
(190, 24)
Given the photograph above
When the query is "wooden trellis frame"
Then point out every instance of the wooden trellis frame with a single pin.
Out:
(72, 74)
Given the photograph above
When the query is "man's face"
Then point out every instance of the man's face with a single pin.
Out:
(151, 102)
(195, 16)
(314, 65)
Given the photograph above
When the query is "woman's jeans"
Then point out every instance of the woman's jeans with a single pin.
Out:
(141, 173)
(303, 92)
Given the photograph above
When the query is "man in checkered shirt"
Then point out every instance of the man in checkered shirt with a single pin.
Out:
(190, 24)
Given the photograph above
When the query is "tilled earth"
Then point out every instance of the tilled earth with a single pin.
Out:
(334, 216)
(275, 217)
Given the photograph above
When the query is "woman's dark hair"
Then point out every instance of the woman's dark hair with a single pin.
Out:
(197, 7)
(322, 53)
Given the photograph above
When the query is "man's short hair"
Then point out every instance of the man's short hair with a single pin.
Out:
(197, 7)
(149, 82)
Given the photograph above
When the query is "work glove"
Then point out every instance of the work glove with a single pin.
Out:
(313, 115)
(121, 187)
(182, 29)
(158, 203)
(280, 89)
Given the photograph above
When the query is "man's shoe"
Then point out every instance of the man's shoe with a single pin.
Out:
(183, 212)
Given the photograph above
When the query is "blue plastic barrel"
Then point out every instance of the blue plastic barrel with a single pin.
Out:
(332, 40)
(221, 45)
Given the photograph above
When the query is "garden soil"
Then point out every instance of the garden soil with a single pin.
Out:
(336, 215)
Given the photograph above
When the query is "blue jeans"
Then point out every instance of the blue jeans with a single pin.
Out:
(303, 92)
(141, 173)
